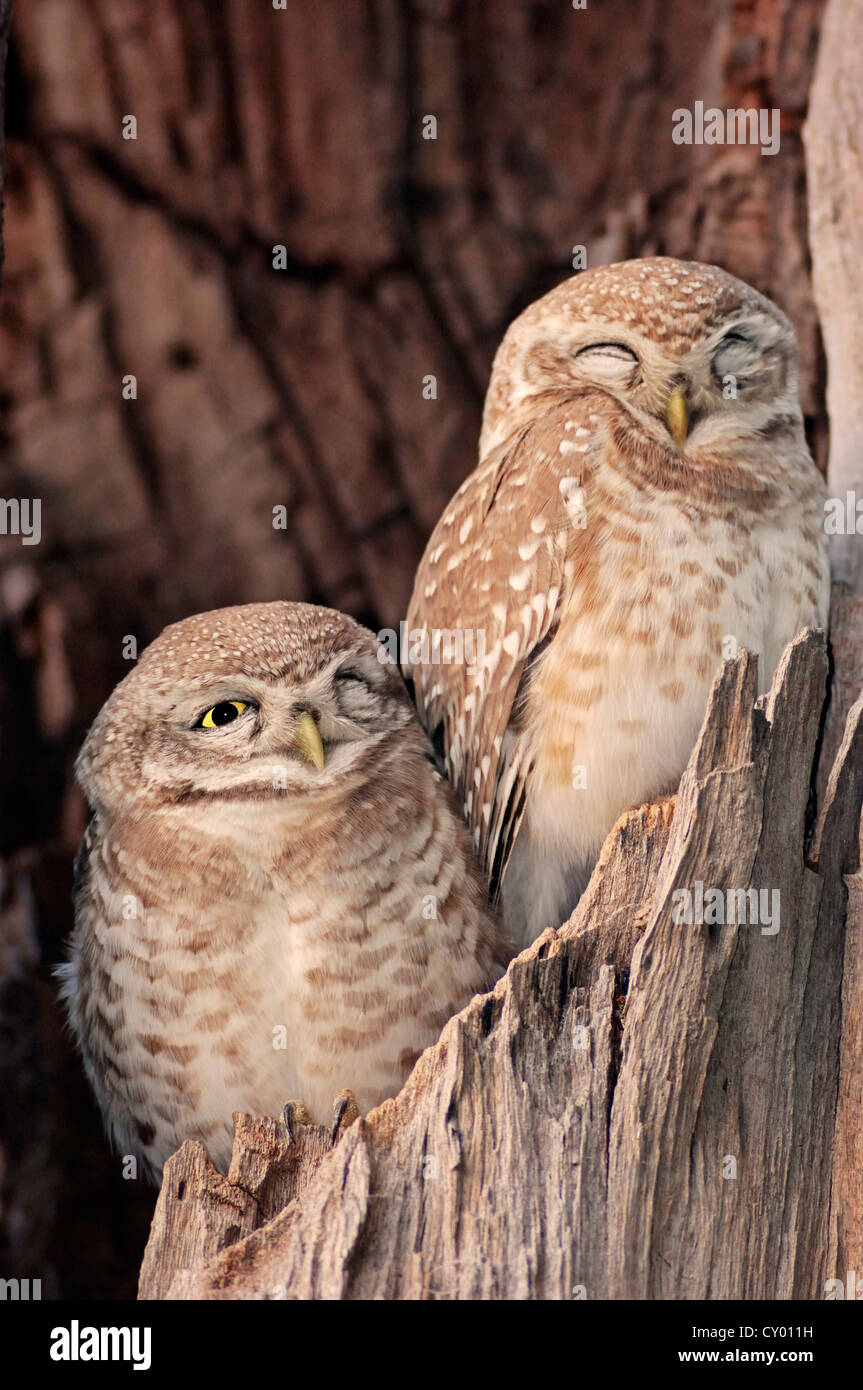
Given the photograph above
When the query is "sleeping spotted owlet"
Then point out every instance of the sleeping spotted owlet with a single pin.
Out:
(645, 503)
(276, 896)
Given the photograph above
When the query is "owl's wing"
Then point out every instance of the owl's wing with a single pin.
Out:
(498, 568)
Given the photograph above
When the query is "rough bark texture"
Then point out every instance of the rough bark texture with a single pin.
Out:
(208, 1212)
(641, 1108)
(835, 174)
(302, 387)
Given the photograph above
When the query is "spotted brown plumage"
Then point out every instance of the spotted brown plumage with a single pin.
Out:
(255, 922)
(644, 503)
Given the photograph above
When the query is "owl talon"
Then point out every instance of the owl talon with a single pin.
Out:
(345, 1111)
(295, 1113)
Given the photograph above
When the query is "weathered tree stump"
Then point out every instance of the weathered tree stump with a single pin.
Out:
(834, 167)
(641, 1108)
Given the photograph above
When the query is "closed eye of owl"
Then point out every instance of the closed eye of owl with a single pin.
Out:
(644, 504)
(755, 355)
(276, 897)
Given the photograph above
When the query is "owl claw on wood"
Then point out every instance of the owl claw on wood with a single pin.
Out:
(295, 1113)
(345, 1111)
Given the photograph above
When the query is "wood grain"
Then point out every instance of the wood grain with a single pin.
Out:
(834, 168)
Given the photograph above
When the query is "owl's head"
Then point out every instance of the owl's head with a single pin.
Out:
(246, 704)
(694, 356)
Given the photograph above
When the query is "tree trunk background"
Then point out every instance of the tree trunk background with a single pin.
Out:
(835, 176)
(302, 387)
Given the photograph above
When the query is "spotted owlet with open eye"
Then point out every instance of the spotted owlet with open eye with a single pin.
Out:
(276, 897)
(645, 504)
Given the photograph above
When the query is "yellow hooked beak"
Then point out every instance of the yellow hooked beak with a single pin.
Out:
(677, 416)
(308, 741)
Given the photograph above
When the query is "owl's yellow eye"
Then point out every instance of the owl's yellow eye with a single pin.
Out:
(225, 713)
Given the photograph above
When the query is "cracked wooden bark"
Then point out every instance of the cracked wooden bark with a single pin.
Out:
(835, 174)
(641, 1108)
